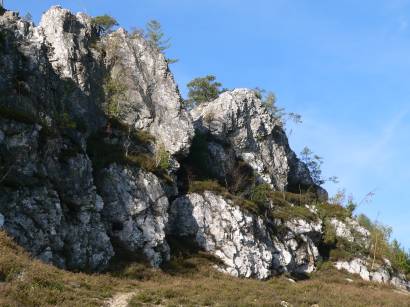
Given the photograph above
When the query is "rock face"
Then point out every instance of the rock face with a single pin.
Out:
(151, 100)
(135, 211)
(53, 95)
(238, 119)
(243, 241)
(92, 134)
(50, 206)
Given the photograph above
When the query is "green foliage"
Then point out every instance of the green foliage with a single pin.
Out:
(261, 194)
(206, 185)
(104, 24)
(380, 246)
(314, 164)
(66, 122)
(162, 157)
(329, 233)
(155, 36)
(202, 89)
(327, 210)
(351, 206)
(115, 91)
(103, 151)
(288, 212)
(18, 115)
(268, 100)
(400, 259)
(214, 186)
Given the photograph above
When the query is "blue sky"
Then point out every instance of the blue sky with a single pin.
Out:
(343, 65)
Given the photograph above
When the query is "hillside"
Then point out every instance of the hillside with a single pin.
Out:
(115, 187)
(188, 280)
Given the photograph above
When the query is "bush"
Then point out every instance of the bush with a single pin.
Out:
(115, 91)
(66, 122)
(104, 24)
(162, 157)
(202, 89)
(400, 259)
(261, 194)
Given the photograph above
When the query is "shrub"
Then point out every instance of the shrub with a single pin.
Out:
(65, 121)
(314, 164)
(261, 194)
(400, 259)
(202, 89)
(206, 185)
(332, 210)
(162, 157)
(104, 24)
(115, 91)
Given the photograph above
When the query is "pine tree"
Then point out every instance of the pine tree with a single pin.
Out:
(155, 37)
(202, 89)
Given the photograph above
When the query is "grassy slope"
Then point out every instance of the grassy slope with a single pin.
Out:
(188, 280)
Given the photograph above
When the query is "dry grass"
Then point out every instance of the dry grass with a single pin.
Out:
(188, 280)
(28, 282)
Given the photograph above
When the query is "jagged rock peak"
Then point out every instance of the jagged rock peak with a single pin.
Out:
(239, 119)
(152, 100)
(146, 95)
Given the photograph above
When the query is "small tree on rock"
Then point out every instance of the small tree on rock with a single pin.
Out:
(104, 24)
(156, 37)
(314, 164)
(203, 89)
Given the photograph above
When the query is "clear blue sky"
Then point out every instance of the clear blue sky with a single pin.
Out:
(343, 65)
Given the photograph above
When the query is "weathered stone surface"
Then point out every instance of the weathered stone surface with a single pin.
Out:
(151, 100)
(135, 212)
(350, 230)
(381, 273)
(237, 118)
(47, 205)
(52, 98)
(242, 240)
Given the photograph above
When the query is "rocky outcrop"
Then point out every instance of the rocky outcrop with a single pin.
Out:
(238, 121)
(246, 243)
(86, 123)
(350, 230)
(135, 212)
(53, 96)
(380, 273)
(151, 100)
(48, 199)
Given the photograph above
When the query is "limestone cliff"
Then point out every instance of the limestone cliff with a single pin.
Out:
(98, 159)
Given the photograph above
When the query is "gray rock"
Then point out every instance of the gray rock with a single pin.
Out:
(350, 230)
(151, 100)
(243, 241)
(1, 221)
(380, 273)
(135, 212)
(52, 81)
(237, 118)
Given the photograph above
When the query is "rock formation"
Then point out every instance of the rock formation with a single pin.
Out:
(93, 144)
